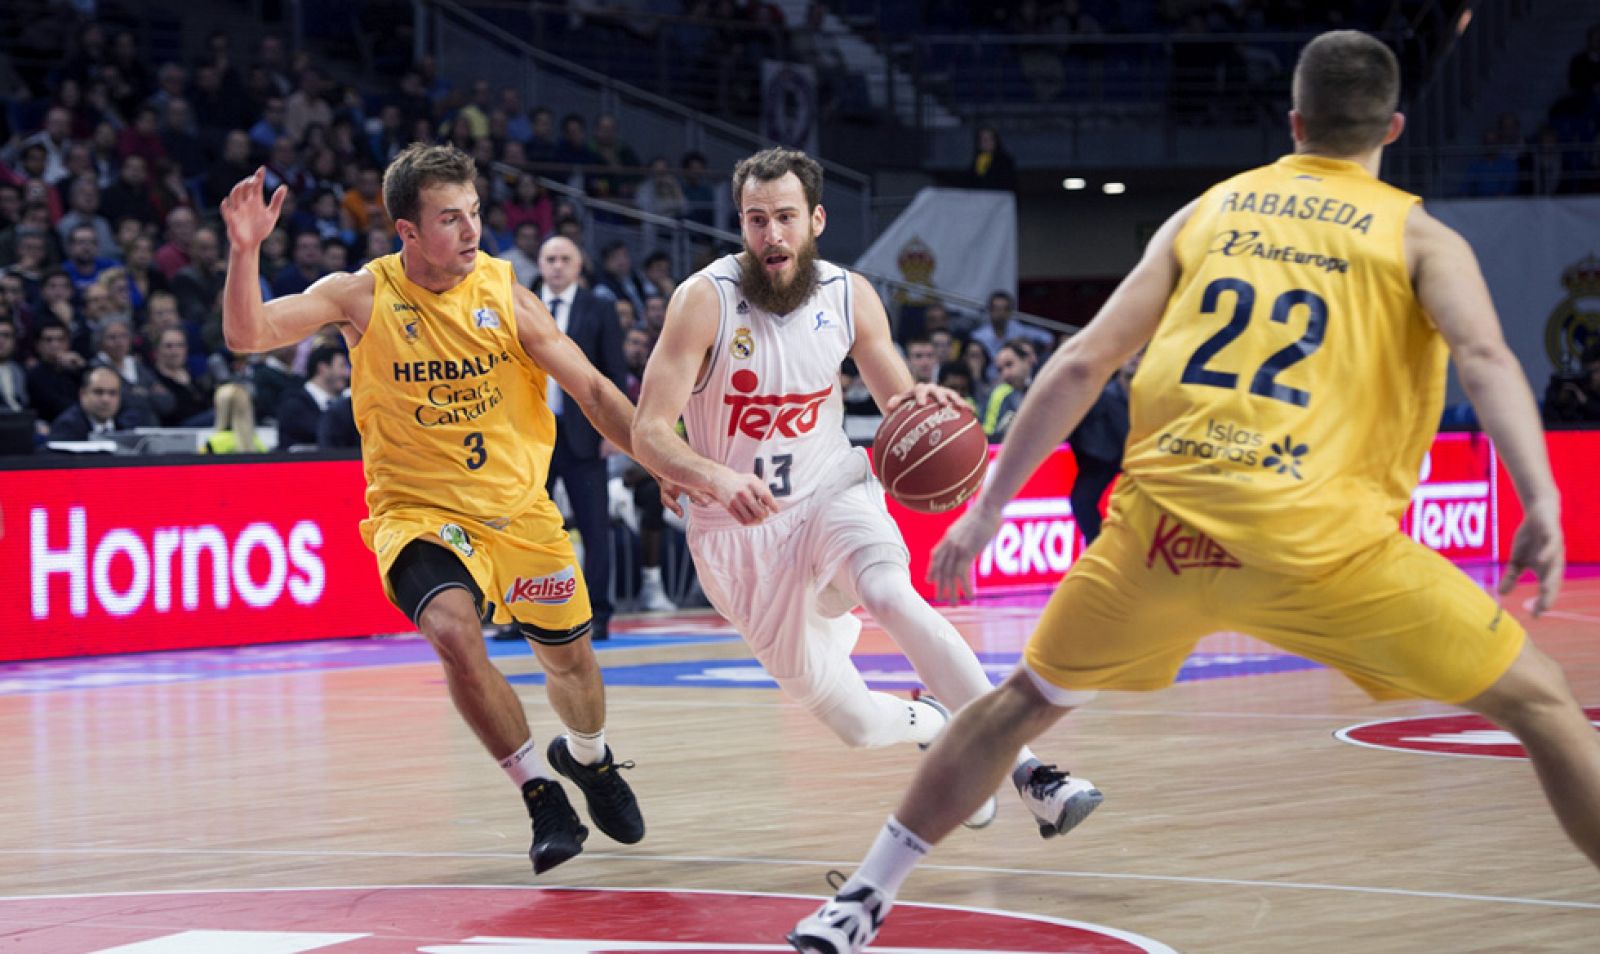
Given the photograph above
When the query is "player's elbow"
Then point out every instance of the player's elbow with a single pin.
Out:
(237, 340)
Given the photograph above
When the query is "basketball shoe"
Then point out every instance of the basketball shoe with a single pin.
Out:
(845, 925)
(557, 833)
(986, 812)
(1057, 800)
(612, 807)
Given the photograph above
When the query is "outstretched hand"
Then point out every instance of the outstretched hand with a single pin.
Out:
(950, 567)
(250, 219)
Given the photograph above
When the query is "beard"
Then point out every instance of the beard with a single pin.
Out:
(762, 288)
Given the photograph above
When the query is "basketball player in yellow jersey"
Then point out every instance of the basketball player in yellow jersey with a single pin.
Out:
(1299, 318)
(449, 358)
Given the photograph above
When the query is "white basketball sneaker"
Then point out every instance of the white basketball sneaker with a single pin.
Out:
(1058, 801)
(986, 812)
(652, 596)
(845, 925)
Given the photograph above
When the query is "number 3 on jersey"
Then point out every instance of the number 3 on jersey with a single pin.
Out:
(478, 453)
(780, 473)
(1265, 381)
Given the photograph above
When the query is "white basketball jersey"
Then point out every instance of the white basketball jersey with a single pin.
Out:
(769, 402)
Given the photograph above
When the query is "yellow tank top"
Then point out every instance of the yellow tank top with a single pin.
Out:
(451, 409)
(1294, 384)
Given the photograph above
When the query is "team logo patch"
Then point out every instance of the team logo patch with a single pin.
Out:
(1465, 734)
(742, 346)
(452, 534)
(1185, 548)
(486, 318)
(411, 329)
(822, 321)
(502, 920)
(1285, 457)
(551, 590)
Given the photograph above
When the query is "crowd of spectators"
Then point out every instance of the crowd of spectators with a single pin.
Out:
(112, 253)
(1561, 156)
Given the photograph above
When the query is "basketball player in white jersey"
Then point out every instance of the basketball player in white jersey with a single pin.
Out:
(793, 532)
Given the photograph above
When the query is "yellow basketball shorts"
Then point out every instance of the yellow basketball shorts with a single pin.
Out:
(526, 570)
(1397, 619)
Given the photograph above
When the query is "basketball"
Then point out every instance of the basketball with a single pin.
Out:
(930, 457)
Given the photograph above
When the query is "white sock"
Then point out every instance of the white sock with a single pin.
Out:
(926, 722)
(890, 861)
(649, 575)
(524, 765)
(587, 748)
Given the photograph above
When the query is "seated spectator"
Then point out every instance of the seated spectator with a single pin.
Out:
(269, 129)
(524, 254)
(236, 424)
(144, 279)
(335, 256)
(83, 208)
(173, 255)
(698, 191)
(271, 377)
(617, 278)
(13, 379)
(658, 271)
(143, 137)
(191, 396)
(958, 378)
(130, 196)
(84, 263)
(305, 266)
(324, 217)
(57, 371)
(992, 166)
(922, 360)
(141, 392)
(300, 410)
(1000, 327)
(363, 205)
(530, 202)
(1015, 366)
(661, 192)
(857, 398)
(98, 410)
(198, 283)
(976, 357)
(55, 301)
(337, 429)
(1574, 397)
(380, 242)
(232, 168)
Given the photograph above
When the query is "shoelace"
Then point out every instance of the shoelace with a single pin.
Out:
(547, 813)
(613, 789)
(1045, 780)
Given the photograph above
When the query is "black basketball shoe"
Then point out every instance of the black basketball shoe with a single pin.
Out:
(557, 833)
(612, 807)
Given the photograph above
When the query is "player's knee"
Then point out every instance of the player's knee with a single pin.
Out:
(1533, 689)
(458, 641)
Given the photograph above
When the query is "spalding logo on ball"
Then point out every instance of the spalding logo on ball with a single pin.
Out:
(930, 457)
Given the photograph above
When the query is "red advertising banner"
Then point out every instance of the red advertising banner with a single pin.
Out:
(1464, 507)
(110, 560)
(126, 559)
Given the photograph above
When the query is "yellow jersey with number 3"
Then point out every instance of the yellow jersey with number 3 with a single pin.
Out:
(1288, 396)
(450, 407)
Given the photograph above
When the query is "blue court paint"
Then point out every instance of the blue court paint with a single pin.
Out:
(197, 665)
(891, 673)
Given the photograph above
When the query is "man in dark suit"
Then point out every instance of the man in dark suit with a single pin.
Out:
(99, 409)
(591, 322)
(301, 409)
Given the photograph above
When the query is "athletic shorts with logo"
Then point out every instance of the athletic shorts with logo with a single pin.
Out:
(1397, 619)
(526, 569)
(782, 583)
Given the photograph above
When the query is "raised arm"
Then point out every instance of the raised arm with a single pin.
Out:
(686, 339)
(1066, 387)
(1452, 290)
(249, 324)
(603, 403)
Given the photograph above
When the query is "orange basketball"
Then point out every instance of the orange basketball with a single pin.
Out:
(930, 457)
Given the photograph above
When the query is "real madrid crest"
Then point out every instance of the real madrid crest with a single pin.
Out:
(1575, 322)
(742, 346)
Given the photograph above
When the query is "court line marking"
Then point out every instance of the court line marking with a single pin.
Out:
(803, 863)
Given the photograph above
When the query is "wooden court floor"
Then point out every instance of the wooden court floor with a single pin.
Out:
(1235, 820)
